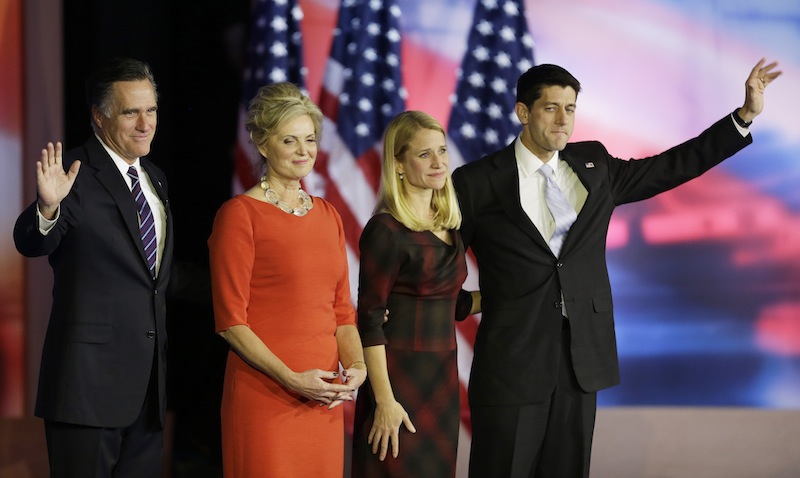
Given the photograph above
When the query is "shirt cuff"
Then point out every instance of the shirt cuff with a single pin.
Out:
(46, 225)
(743, 130)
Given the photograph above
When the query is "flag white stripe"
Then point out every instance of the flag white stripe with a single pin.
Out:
(344, 171)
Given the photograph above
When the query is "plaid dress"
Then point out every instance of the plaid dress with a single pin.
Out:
(418, 277)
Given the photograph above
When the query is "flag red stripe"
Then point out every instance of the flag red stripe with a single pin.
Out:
(352, 228)
(370, 164)
(329, 104)
(468, 329)
(464, 400)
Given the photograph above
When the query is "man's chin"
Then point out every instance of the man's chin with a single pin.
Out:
(143, 151)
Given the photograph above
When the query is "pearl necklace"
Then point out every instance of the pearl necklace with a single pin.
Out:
(273, 198)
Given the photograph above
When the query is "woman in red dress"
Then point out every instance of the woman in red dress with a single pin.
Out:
(282, 302)
(412, 263)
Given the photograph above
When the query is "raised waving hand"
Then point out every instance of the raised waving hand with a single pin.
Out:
(52, 182)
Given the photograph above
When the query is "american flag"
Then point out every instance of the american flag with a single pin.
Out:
(482, 120)
(361, 92)
(499, 49)
(274, 54)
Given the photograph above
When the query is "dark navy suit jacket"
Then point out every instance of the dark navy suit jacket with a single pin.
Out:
(517, 347)
(108, 319)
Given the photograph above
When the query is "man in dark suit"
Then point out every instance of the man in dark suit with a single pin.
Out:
(102, 216)
(546, 342)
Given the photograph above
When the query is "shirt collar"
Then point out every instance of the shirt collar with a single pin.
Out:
(120, 163)
(528, 163)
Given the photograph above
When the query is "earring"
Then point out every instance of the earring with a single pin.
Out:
(401, 176)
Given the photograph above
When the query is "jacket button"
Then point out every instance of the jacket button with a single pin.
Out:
(557, 305)
(559, 264)
(151, 334)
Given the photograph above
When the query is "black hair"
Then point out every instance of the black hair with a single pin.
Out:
(530, 83)
(100, 84)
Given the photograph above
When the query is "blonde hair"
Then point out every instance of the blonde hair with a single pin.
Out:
(275, 104)
(392, 197)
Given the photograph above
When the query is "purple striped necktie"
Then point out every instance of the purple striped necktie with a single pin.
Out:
(147, 225)
(563, 213)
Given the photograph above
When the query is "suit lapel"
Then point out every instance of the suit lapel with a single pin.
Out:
(582, 169)
(505, 183)
(158, 185)
(109, 176)
(155, 179)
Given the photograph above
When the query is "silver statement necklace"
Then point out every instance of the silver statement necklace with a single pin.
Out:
(273, 198)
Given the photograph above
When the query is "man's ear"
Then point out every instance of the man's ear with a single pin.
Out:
(97, 117)
(522, 112)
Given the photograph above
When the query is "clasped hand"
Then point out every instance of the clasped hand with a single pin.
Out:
(315, 384)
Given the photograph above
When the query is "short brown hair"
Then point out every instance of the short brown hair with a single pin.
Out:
(530, 83)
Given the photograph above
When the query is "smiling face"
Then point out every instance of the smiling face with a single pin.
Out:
(131, 125)
(291, 150)
(548, 123)
(424, 161)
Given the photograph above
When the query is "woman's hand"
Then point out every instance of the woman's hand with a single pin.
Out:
(386, 428)
(353, 377)
(313, 384)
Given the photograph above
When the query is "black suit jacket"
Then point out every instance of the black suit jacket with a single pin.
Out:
(517, 347)
(108, 321)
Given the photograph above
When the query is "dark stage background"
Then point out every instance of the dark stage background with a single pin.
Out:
(195, 49)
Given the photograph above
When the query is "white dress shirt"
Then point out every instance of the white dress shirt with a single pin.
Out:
(532, 186)
(531, 192)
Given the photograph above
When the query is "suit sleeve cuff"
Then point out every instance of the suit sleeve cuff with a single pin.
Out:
(741, 125)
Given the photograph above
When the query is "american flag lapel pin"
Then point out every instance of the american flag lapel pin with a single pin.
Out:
(589, 165)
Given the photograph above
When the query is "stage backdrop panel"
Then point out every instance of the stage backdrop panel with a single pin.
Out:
(12, 365)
